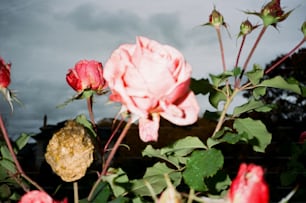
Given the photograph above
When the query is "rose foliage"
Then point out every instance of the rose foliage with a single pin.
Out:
(150, 81)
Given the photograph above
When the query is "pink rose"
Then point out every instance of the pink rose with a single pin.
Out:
(36, 196)
(86, 75)
(151, 80)
(249, 186)
(5, 73)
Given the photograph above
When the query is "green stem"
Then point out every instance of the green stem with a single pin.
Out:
(224, 111)
(221, 48)
(263, 30)
(286, 56)
(190, 196)
(110, 157)
(75, 192)
(151, 190)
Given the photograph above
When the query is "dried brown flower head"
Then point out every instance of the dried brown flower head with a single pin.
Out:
(70, 152)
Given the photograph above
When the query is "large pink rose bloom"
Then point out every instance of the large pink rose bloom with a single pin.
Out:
(151, 80)
(249, 186)
(86, 75)
(5, 74)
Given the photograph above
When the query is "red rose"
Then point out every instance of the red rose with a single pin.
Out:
(302, 137)
(151, 80)
(86, 75)
(249, 186)
(5, 70)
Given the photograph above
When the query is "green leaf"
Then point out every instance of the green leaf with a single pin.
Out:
(184, 146)
(101, 194)
(22, 140)
(81, 119)
(201, 86)
(259, 91)
(218, 80)
(256, 132)
(255, 75)
(303, 89)
(219, 182)
(279, 82)
(210, 115)
(6, 153)
(202, 164)
(15, 196)
(3, 173)
(215, 97)
(229, 137)
(251, 105)
(151, 152)
(8, 165)
(5, 191)
(120, 200)
(237, 71)
(155, 177)
(116, 180)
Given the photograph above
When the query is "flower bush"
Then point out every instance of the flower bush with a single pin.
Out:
(152, 80)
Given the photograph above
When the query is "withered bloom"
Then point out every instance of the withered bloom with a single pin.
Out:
(70, 151)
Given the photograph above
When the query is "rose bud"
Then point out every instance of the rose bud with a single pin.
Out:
(5, 71)
(86, 75)
(246, 28)
(249, 186)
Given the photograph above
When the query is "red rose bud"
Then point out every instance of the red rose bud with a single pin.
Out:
(249, 186)
(5, 72)
(272, 13)
(302, 137)
(216, 19)
(86, 75)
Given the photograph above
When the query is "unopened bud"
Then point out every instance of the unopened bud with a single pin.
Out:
(272, 13)
(246, 28)
(303, 28)
(216, 19)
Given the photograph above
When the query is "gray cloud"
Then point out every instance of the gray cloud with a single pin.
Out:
(43, 39)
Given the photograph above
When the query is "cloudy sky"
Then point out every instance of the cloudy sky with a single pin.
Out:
(43, 39)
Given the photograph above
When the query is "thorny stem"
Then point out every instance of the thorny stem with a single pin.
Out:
(110, 157)
(263, 30)
(116, 146)
(91, 115)
(112, 136)
(18, 166)
(238, 57)
(286, 56)
(240, 50)
(221, 47)
(225, 108)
